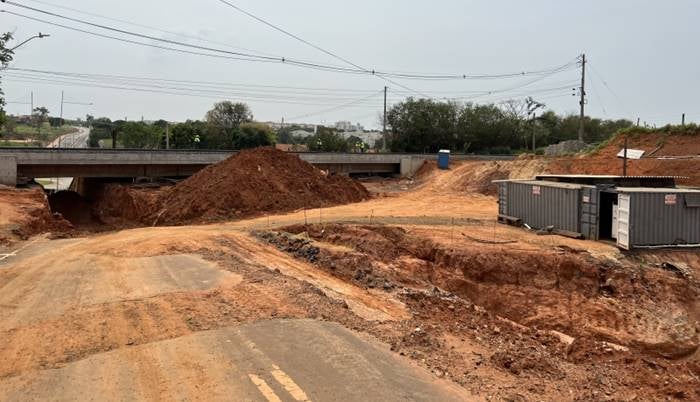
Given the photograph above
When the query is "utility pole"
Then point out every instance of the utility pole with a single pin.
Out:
(61, 105)
(167, 135)
(384, 121)
(582, 102)
(624, 159)
(638, 121)
(59, 137)
(683, 120)
(31, 111)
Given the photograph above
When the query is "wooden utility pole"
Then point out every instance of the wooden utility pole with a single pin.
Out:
(582, 102)
(167, 136)
(683, 120)
(384, 121)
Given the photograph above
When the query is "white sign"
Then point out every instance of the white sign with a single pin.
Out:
(670, 199)
(536, 190)
(586, 199)
(631, 153)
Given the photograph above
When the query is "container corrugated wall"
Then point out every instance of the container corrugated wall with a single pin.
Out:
(589, 213)
(656, 221)
(540, 206)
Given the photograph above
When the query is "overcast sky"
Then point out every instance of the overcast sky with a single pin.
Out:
(643, 56)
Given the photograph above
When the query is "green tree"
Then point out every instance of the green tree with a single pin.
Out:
(140, 135)
(101, 130)
(253, 135)
(188, 135)
(224, 121)
(327, 139)
(10, 125)
(423, 125)
(5, 59)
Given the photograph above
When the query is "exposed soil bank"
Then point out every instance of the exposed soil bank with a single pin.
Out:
(648, 309)
(24, 213)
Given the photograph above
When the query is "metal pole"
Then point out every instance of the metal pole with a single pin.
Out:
(167, 136)
(31, 111)
(582, 102)
(683, 120)
(384, 121)
(624, 159)
(533, 134)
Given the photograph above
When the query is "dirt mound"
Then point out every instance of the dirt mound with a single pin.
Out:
(26, 212)
(262, 180)
(478, 176)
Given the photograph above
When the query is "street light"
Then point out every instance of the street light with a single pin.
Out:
(41, 35)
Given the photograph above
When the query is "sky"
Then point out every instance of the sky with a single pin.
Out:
(642, 54)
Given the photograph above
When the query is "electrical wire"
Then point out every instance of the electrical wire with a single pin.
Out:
(179, 34)
(241, 56)
(335, 107)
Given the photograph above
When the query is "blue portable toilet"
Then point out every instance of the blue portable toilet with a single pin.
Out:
(444, 159)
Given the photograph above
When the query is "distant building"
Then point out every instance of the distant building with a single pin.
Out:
(348, 126)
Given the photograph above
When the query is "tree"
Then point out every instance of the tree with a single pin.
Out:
(5, 59)
(101, 130)
(10, 125)
(253, 135)
(188, 135)
(39, 116)
(422, 125)
(327, 140)
(229, 115)
(224, 122)
(140, 135)
(355, 144)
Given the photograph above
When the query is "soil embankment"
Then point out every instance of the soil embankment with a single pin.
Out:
(672, 154)
(24, 213)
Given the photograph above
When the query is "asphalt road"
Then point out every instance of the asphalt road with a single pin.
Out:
(60, 302)
(78, 139)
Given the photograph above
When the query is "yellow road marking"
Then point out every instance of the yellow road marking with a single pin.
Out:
(289, 384)
(264, 389)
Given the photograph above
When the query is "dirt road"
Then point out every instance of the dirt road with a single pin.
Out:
(408, 296)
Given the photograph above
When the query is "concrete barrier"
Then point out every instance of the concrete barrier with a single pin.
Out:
(8, 171)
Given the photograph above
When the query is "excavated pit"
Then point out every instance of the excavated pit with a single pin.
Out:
(647, 309)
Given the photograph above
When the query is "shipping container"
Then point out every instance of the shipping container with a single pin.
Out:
(633, 217)
(542, 204)
(658, 217)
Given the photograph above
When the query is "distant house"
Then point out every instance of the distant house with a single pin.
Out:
(292, 147)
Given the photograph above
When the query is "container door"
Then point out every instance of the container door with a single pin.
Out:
(614, 222)
(623, 221)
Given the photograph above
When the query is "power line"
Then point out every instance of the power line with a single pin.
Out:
(336, 107)
(241, 56)
(179, 34)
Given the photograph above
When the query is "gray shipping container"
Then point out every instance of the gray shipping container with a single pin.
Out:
(632, 216)
(662, 216)
(540, 204)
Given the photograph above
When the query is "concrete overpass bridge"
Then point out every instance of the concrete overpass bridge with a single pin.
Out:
(29, 163)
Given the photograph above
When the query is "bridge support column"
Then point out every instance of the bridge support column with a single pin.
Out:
(8, 171)
(410, 165)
